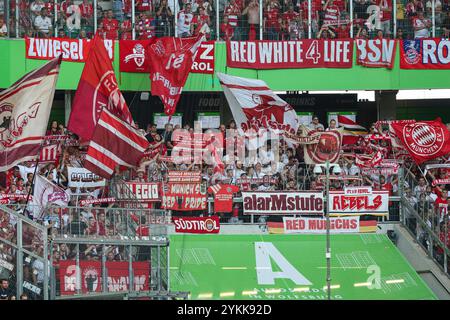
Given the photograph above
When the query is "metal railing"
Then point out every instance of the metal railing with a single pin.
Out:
(222, 20)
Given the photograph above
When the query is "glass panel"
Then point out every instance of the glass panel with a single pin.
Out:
(110, 16)
(33, 277)
(239, 20)
(196, 17)
(8, 225)
(8, 267)
(32, 239)
(373, 18)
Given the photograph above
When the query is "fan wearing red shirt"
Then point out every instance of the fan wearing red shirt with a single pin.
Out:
(315, 8)
(125, 30)
(233, 12)
(226, 30)
(223, 196)
(271, 23)
(441, 205)
(200, 20)
(144, 5)
(110, 26)
(385, 15)
(126, 8)
(331, 14)
(87, 12)
(383, 185)
(343, 31)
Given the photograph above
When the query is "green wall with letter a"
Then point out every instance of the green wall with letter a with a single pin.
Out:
(13, 65)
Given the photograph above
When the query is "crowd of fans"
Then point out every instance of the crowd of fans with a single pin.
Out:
(275, 167)
(237, 19)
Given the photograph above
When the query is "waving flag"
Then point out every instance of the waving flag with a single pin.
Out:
(24, 112)
(46, 193)
(424, 140)
(352, 131)
(170, 60)
(96, 90)
(256, 108)
(114, 143)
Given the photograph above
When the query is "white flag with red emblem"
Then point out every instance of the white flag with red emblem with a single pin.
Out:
(24, 113)
(257, 109)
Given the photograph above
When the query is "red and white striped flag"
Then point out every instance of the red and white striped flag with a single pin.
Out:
(114, 142)
(49, 153)
(352, 130)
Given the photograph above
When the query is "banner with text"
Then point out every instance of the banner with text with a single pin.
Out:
(376, 53)
(184, 196)
(342, 203)
(306, 53)
(90, 273)
(283, 202)
(83, 178)
(196, 224)
(142, 191)
(73, 50)
(319, 225)
(425, 54)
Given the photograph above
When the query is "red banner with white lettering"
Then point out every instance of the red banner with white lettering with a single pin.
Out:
(375, 203)
(170, 60)
(306, 53)
(184, 196)
(375, 53)
(425, 54)
(197, 224)
(119, 279)
(90, 277)
(204, 60)
(72, 50)
(133, 57)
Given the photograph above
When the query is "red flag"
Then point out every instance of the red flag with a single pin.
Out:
(133, 57)
(170, 60)
(24, 112)
(424, 140)
(97, 89)
(114, 142)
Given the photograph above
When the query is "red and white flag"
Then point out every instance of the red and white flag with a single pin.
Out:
(24, 113)
(257, 109)
(96, 90)
(351, 130)
(114, 142)
(424, 140)
(46, 193)
(170, 60)
(371, 161)
(49, 153)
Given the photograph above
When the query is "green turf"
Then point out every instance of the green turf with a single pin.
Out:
(224, 267)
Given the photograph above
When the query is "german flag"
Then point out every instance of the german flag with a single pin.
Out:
(352, 130)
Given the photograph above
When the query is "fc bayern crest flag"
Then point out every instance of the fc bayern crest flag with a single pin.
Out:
(133, 57)
(24, 113)
(170, 61)
(96, 90)
(424, 140)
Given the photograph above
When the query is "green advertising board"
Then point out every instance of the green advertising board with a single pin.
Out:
(291, 267)
(14, 64)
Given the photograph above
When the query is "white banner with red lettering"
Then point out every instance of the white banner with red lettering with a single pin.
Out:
(376, 203)
(319, 225)
(305, 53)
(376, 53)
(73, 50)
(196, 224)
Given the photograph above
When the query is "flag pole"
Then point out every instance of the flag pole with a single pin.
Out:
(34, 174)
